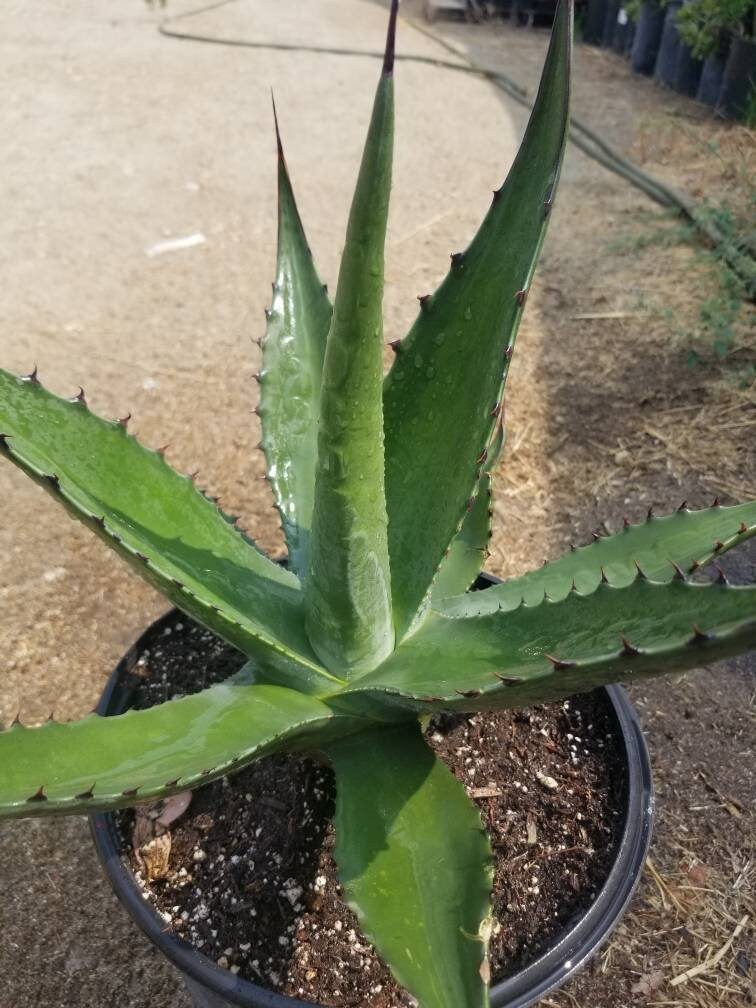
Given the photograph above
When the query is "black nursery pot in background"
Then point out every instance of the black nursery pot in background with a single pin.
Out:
(666, 61)
(647, 39)
(738, 79)
(595, 15)
(622, 29)
(610, 23)
(213, 987)
(688, 71)
(710, 84)
(630, 39)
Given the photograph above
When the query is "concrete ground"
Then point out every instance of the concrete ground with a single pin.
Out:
(116, 139)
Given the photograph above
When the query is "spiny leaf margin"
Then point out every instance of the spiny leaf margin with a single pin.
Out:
(553, 649)
(160, 522)
(103, 763)
(659, 546)
(462, 340)
(466, 555)
(292, 363)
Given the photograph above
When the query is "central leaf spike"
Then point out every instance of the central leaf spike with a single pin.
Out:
(348, 587)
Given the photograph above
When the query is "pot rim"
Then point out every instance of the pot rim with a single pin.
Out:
(571, 951)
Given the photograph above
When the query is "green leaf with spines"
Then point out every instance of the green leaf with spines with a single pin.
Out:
(552, 649)
(102, 763)
(686, 540)
(469, 549)
(158, 520)
(414, 864)
(292, 363)
(444, 391)
(348, 588)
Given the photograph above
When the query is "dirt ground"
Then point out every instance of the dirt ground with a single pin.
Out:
(118, 138)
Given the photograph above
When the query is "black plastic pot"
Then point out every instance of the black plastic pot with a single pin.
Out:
(213, 987)
(622, 29)
(595, 15)
(630, 39)
(687, 71)
(739, 79)
(610, 23)
(711, 80)
(666, 61)
(647, 38)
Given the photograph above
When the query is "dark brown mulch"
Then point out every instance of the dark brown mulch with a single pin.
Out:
(252, 882)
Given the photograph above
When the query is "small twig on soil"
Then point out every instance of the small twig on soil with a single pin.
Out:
(662, 886)
(567, 850)
(712, 961)
(604, 315)
(485, 792)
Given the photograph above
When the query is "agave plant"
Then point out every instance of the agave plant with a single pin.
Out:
(383, 490)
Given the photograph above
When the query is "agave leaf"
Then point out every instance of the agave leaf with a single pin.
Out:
(469, 549)
(157, 519)
(414, 863)
(102, 763)
(444, 391)
(686, 539)
(292, 364)
(348, 587)
(553, 649)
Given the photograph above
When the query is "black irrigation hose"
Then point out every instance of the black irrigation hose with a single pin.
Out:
(738, 256)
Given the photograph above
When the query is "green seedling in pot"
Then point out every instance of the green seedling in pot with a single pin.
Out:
(383, 489)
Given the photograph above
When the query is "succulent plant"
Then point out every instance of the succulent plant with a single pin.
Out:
(383, 489)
